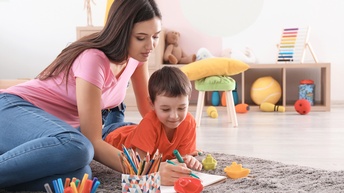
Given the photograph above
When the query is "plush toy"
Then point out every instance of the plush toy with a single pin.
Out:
(174, 54)
(246, 55)
(203, 53)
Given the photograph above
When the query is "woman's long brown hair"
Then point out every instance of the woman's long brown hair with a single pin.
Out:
(113, 39)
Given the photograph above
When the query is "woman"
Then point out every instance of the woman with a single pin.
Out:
(51, 126)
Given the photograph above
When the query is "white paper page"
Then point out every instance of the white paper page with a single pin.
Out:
(207, 179)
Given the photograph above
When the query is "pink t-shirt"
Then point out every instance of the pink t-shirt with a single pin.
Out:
(91, 65)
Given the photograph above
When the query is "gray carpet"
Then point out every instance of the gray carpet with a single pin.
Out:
(266, 176)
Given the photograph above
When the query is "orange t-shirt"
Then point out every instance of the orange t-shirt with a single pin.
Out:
(149, 136)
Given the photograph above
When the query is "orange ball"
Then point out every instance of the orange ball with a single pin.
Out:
(302, 106)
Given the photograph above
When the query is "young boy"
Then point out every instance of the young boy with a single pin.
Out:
(168, 126)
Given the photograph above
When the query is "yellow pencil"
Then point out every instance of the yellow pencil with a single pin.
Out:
(72, 184)
(128, 166)
(81, 187)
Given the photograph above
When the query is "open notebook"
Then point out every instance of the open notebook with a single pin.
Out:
(207, 179)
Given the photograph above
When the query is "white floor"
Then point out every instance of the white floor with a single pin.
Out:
(315, 139)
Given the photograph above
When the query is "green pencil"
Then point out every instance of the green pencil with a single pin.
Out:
(191, 174)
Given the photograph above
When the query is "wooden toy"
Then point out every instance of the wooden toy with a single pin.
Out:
(293, 45)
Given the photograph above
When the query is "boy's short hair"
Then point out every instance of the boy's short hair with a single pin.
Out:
(169, 81)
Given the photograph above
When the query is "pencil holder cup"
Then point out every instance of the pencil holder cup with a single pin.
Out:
(149, 183)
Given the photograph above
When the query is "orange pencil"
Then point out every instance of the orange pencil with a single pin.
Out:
(156, 165)
(146, 168)
(128, 166)
(156, 154)
(68, 190)
(67, 182)
(151, 166)
(87, 186)
(159, 162)
(133, 157)
(147, 157)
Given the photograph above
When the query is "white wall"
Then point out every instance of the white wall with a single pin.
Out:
(33, 32)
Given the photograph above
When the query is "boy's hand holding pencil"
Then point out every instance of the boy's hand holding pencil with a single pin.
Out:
(190, 161)
(172, 172)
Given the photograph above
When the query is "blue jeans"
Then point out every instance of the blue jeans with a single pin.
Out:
(37, 147)
(113, 119)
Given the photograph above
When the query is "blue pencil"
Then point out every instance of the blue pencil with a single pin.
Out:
(60, 185)
(129, 158)
(56, 187)
(95, 186)
(95, 179)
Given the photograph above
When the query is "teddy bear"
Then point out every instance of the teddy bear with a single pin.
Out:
(174, 54)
